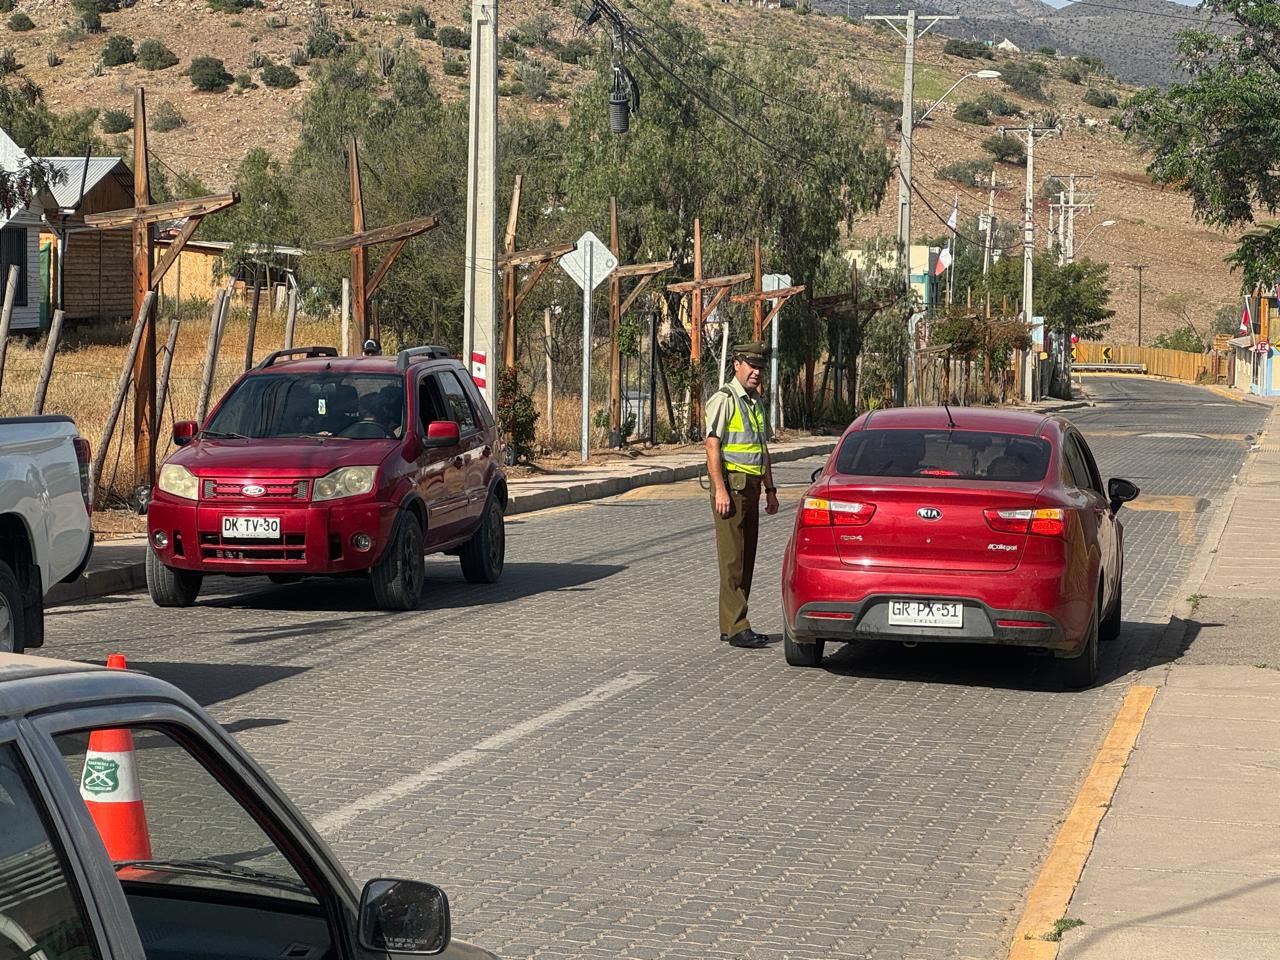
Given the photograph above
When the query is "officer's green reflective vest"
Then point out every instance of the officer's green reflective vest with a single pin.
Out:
(742, 446)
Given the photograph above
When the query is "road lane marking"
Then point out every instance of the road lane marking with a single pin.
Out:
(337, 820)
(1186, 509)
(1051, 895)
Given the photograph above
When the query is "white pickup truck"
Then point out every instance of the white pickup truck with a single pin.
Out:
(45, 533)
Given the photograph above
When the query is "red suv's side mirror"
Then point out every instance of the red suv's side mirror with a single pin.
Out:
(184, 431)
(442, 433)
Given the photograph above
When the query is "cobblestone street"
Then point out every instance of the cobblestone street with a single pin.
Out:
(589, 773)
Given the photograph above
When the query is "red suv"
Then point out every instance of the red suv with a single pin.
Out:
(320, 465)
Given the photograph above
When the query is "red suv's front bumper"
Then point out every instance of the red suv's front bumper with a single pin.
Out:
(314, 538)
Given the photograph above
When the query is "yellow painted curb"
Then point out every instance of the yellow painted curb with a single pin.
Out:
(1226, 392)
(1051, 895)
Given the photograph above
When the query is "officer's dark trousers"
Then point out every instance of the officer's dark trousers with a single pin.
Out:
(736, 537)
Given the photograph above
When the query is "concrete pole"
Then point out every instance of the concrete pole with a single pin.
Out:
(551, 389)
(905, 150)
(480, 308)
(588, 254)
(1071, 220)
(1028, 262)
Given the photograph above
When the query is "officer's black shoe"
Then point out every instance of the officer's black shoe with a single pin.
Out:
(724, 637)
(749, 639)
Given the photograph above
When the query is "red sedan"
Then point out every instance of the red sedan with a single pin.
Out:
(966, 526)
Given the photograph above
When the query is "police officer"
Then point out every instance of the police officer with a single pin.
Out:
(738, 466)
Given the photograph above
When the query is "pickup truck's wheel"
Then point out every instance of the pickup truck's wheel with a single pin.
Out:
(484, 554)
(12, 619)
(169, 587)
(398, 576)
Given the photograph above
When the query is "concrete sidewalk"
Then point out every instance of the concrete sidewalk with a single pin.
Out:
(118, 565)
(1186, 863)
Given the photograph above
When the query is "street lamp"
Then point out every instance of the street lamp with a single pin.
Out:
(1096, 227)
(978, 75)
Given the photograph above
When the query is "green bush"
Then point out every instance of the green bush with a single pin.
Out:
(455, 38)
(1006, 149)
(535, 81)
(209, 74)
(516, 414)
(969, 49)
(280, 77)
(6, 6)
(1102, 99)
(866, 94)
(154, 55)
(1047, 51)
(455, 68)
(244, 82)
(117, 121)
(967, 172)
(1183, 338)
(21, 23)
(970, 112)
(233, 6)
(323, 42)
(1022, 79)
(89, 13)
(997, 105)
(118, 51)
(424, 31)
(166, 118)
(1072, 72)
(577, 50)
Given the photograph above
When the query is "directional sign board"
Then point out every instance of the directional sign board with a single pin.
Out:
(1106, 355)
(603, 262)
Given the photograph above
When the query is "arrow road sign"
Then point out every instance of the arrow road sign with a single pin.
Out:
(603, 262)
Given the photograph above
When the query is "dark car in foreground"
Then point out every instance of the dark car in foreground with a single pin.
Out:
(133, 827)
(320, 465)
(958, 525)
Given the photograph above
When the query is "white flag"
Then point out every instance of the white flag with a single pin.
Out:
(954, 219)
(944, 262)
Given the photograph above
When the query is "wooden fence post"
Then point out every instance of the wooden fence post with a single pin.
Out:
(6, 317)
(46, 368)
(122, 389)
(551, 390)
(253, 322)
(211, 355)
(346, 317)
(162, 390)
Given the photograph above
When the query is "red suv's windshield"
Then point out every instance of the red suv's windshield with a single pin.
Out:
(357, 406)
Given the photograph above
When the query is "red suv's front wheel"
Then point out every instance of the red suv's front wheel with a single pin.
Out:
(399, 575)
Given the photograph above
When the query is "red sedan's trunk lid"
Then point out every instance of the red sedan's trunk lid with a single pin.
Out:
(922, 523)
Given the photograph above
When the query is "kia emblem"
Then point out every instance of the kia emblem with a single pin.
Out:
(253, 490)
(929, 513)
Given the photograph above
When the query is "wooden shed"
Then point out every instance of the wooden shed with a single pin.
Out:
(20, 245)
(91, 273)
(198, 271)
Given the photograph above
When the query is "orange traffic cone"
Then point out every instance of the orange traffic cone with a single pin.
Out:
(111, 791)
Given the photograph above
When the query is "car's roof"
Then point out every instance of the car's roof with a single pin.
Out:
(29, 683)
(1025, 423)
(387, 366)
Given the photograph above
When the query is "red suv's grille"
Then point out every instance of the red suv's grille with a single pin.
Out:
(216, 547)
(266, 491)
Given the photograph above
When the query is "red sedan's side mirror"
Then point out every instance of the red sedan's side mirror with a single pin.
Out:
(442, 433)
(184, 431)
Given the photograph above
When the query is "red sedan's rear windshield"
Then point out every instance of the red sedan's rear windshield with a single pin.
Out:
(356, 406)
(948, 454)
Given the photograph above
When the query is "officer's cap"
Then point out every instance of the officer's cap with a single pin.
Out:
(755, 353)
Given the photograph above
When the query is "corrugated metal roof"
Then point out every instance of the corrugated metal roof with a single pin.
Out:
(67, 193)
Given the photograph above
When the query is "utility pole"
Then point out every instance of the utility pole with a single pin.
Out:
(909, 35)
(480, 297)
(991, 226)
(1140, 267)
(1032, 134)
(1069, 205)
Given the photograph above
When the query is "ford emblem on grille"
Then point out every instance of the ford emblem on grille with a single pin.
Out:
(253, 490)
(924, 513)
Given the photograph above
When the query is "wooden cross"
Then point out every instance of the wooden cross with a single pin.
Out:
(644, 272)
(698, 310)
(759, 295)
(360, 240)
(142, 218)
(513, 293)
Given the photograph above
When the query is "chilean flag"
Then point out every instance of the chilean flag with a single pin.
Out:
(1246, 321)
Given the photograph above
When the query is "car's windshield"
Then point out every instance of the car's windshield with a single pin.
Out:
(352, 405)
(949, 454)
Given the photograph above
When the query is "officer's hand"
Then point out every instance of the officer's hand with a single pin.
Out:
(723, 503)
(770, 503)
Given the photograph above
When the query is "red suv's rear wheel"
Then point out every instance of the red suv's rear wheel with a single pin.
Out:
(485, 553)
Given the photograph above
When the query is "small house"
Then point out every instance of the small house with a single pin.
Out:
(91, 269)
(1008, 46)
(199, 270)
(20, 245)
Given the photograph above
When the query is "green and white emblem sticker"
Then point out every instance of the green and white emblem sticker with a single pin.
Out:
(101, 776)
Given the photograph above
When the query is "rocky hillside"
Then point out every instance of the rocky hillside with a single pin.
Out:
(1187, 277)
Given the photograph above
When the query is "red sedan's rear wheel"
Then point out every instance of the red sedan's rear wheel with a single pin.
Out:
(801, 654)
(1081, 672)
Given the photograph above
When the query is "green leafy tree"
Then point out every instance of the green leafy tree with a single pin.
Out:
(117, 121)
(1184, 338)
(970, 112)
(1214, 135)
(209, 74)
(1006, 149)
(1074, 297)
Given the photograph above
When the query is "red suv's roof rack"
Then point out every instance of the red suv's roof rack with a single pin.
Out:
(307, 352)
(415, 354)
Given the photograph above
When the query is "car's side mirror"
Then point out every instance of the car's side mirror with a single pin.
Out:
(1120, 492)
(184, 431)
(813, 477)
(405, 917)
(441, 433)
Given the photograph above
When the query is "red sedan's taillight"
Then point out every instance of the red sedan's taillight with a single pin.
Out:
(816, 512)
(1046, 522)
(83, 458)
